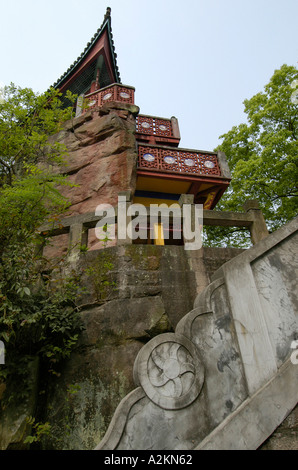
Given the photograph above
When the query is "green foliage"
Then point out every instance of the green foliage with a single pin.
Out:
(39, 430)
(27, 202)
(262, 155)
(38, 315)
(26, 122)
(101, 276)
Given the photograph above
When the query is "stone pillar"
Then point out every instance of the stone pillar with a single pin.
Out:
(195, 257)
(186, 199)
(175, 127)
(78, 236)
(258, 229)
(223, 163)
(40, 247)
(195, 243)
(80, 105)
(2, 353)
(189, 200)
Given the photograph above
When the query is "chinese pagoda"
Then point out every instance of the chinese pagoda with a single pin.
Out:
(164, 170)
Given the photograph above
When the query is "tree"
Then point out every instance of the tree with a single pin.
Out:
(38, 315)
(28, 187)
(26, 121)
(262, 156)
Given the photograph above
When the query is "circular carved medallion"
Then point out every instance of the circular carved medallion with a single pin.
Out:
(169, 160)
(92, 103)
(209, 164)
(124, 95)
(149, 157)
(189, 162)
(107, 96)
(146, 125)
(170, 371)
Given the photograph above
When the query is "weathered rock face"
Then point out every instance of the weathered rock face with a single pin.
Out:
(14, 424)
(125, 291)
(226, 379)
(101, 162)
(130, 294)
(102, 156)
(286, 435)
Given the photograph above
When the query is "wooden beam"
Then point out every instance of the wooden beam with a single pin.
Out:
(227, 219)
(185, 176)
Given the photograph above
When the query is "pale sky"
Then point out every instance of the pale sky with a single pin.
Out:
(193, 59)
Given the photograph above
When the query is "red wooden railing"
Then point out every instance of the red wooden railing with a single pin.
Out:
(182, 161)
(113, 92)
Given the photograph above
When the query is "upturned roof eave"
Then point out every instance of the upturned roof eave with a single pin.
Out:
(106, 24)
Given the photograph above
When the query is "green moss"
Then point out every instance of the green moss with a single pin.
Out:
(163, 325)
(109, 338)
(101, 274)
(85, 411)
(144, 256)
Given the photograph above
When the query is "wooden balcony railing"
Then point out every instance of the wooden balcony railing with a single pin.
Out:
(115, 92)
(182, 161)
(154, 126)
(157, 130)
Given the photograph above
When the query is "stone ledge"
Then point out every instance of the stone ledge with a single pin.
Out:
(256, 251)
(258, 416)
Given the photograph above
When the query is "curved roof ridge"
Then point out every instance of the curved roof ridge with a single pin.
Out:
(106, 23)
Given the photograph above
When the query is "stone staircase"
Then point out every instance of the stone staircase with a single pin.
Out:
(228, 376)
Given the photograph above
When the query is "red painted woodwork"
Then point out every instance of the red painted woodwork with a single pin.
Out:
(101, 46)
(113, 92)
(155, 130)
(163, 159)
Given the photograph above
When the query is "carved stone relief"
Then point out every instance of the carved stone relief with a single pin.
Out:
(170, 371)
(215, 383)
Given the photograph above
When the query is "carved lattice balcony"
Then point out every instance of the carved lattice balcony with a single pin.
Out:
(179, 161)
(115, 92)
(152, 129)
